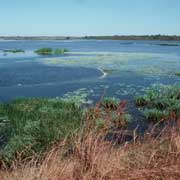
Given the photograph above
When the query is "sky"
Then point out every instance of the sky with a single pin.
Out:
(89, 17)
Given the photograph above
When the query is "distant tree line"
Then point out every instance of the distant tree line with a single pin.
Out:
(135, 37)
(115, 37)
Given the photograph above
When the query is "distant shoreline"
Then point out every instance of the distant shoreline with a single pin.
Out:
(116, 37)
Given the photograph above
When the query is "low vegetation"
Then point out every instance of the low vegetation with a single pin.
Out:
(89, 157)
(160, 102)
(177, 74)
(55, 139)
(30, 126)
(44, 51)
(50, 51)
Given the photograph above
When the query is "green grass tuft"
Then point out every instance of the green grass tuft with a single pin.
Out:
(160, 101)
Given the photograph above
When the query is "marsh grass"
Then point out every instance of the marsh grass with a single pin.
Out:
(13, 51)
(31, 126)
(44, 51)
(50, 51)
(92, 158)
(87, 154)
(160, 102)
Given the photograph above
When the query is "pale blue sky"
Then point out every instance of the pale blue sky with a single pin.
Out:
(89, 17)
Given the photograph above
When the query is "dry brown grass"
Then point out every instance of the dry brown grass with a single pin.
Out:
(92, 158)
(156, 156)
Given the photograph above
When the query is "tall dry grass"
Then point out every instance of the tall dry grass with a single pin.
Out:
(91, 158)
(87, 156)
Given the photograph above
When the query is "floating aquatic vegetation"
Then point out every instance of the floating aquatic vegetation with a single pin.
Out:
(160, 101)
(79, 97)
(129, 89)
(113, 62)
(109, 61)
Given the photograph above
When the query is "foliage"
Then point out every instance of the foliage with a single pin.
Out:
(32, 125)
(160, 101)
(108, 115)
(92, 158)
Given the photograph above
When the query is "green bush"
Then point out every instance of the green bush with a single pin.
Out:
(31, 125)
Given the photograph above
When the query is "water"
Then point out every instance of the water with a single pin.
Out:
(96, 68)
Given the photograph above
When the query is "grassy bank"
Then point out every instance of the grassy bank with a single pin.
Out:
(55, 139)
(88, 157)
